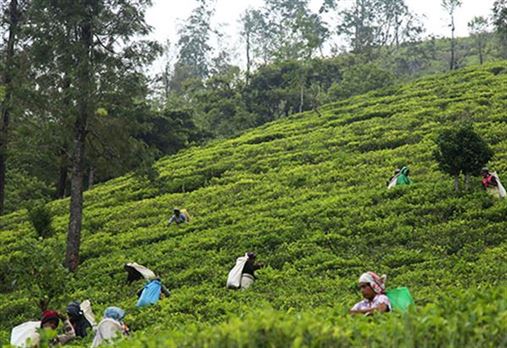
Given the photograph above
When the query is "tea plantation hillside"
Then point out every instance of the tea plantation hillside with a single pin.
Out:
(308, 195)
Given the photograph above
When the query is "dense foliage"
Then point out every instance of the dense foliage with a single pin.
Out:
(308, 194)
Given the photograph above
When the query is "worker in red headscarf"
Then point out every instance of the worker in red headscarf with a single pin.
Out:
(50, 320)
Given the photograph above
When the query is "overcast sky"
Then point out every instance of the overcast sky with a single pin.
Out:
(166, 16)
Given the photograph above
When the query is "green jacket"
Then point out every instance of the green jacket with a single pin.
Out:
(403, 178)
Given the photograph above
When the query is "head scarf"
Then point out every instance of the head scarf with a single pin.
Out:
(377, 283)
(74, 309)
(49, 316)
(251, 255)
(114, 313)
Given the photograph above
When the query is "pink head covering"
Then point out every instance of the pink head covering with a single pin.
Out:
(376, 282)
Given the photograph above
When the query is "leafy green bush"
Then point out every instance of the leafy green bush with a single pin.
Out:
(24, 190)
(40, 218)
(461, 151)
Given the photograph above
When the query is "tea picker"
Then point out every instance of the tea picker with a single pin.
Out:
(242, 275)
(180, 216)
(153, 288)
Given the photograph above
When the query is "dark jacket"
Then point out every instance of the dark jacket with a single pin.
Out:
(250, 267)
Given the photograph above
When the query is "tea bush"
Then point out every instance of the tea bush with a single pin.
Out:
(41, 220)
(308, 194)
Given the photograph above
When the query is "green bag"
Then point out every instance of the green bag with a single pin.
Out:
(400, 299)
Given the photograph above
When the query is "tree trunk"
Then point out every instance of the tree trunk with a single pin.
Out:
(453, 44)
(166, 80)
(76, 199)
(2, 177)
(3, 162)
(357, 29)
(248, 59)
(85, 110)
(397, 32)
(467, 182)
(7, 82)
(62, 181)
(302, 96)
(91, 178)
(481, 52)
(61, 185)
(456, 183)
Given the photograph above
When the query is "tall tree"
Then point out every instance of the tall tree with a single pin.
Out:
(286, 30)
(305, 31)
(85, 83)
(396, 23)
(13, 12)
(378, 23)
(194, 46)
(478, 28)
(358, 24)
(500, 23)
(283, 30)
(451, 6)
(250, 22)
(168, 60)
(92, 40)
(258, 36)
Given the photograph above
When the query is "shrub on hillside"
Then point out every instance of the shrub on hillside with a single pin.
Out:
(24, 189)
(41, 219)
(37, 267)
(461, 151)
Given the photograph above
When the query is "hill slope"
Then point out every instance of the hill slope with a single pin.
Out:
(308, 195)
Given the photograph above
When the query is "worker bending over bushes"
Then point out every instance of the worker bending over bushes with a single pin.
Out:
(112, 326)
(400, 178)
(180, 216)
(242, 276)
(492, 183)
(80, 320)
(152, 290)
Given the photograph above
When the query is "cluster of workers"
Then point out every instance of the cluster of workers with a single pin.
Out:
(490, 181)
(371, 285)
(80, 318)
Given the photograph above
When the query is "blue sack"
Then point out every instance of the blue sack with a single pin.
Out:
(150, 294)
